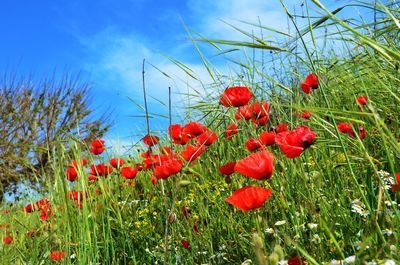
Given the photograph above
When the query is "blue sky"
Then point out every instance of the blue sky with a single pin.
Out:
(106, 41)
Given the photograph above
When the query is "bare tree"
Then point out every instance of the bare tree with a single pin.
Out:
(34, 117)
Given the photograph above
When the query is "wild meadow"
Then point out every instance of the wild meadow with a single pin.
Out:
(294, 159)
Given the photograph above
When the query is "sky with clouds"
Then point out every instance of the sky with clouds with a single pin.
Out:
(105, 41)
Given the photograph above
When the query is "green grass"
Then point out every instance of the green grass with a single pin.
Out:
(313, 193)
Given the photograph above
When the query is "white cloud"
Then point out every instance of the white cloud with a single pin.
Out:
(115, 57)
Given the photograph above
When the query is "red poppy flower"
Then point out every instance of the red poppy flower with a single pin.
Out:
(396, 187)
(311, 82)
(260, 109)
(8, 240)
(249, 198)
(42, 203)
(139, 166)
(362, 100)
(191, 152)
(165, 150)
(306, 115)
(97, 146)
(260, 121)
(257, 165)
(362, 131)
(57, 255)
(194, 129)
(244, 112)
(297, 260)
(186, 211)
(154, 160)
(267, 138)
(129, 172)
(196, 227)
(75, 163)
(5, 225)
(100, 170)
(168, 168)
(150, 140)
(206, 138)
(71, 173)
(293, 143)
(227, 169)
(116, 162)
(185, 244)
(283, 127)
(46, 213)
(29, 208)
(253, 144)
(97, 151)
(77, 195)
(93, 178)
(97, 143)
(236, 96)
(346, 128)
(154, 180)
(177, 135)
(231, 130)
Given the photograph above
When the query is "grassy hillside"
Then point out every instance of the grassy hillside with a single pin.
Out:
(331, 169)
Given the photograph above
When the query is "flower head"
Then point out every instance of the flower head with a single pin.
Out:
(150, 140)
(249, 197)
(311, 82)
(116, 162)
(267, 138)
(227, 169)
(236, 96)
(97, 146)
(258, 165)
(253, 144)
(362, 100)
(129, 172)
(293, 143)
(57, 255)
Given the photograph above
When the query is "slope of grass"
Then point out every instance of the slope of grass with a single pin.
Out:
(332, 202)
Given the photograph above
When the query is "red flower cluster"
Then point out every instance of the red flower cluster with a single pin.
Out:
(100, 170)
(257, 112)
(44, 205)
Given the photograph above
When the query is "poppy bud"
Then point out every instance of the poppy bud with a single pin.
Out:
(171, 218)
